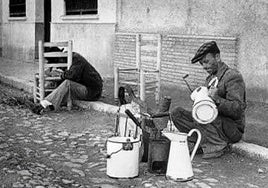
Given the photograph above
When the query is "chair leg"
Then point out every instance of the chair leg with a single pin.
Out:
(35, 90)
(116, 83)
(157, 92)
(157, 96)
(69, 100)
(142, 86)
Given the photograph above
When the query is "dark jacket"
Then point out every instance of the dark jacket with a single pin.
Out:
(84, 73)
(231, 101)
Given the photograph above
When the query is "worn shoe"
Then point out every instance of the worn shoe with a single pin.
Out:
(216, 154)
(51, 107)
(38, 109)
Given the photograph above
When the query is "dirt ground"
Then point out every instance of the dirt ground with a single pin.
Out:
(256, 130)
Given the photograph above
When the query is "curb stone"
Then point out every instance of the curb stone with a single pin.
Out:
(251, 150)
(97, 105)
(17, 83)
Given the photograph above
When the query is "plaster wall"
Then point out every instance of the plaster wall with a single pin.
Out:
(245, 19)
(92, 35)
(19, 34)
(92, 41)
(1, 28)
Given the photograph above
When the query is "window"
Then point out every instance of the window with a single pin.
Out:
(81, 7)
(17, 8)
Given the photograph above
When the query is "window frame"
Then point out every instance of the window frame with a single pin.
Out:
(17, 8)
(80, 9)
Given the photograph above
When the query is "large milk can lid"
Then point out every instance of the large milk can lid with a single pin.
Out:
(205, 112)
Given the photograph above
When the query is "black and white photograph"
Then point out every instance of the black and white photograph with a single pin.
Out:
(133, 93)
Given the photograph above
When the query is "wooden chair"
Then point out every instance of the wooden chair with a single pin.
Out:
(145, 78)
(40, 90)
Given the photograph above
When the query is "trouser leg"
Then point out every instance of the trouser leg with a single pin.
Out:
(59, 95)
(212, 139)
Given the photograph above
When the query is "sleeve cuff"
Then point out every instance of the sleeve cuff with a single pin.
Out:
(217, 101)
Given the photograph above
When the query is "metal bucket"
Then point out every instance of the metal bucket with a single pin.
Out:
(158, 155)
(123, 157)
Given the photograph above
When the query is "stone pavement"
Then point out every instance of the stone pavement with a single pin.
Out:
(20, 75)
(67, 149)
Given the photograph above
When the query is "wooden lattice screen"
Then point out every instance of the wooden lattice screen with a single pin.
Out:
(176, 53)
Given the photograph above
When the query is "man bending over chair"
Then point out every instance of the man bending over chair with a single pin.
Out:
(82, 81)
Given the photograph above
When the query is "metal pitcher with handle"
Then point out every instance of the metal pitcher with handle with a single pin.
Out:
(179, 166)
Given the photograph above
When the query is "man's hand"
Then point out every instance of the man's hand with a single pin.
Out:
(62, 76)
(213, 92)
(59, 70)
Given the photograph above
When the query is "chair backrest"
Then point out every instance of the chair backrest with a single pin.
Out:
(149, 51)
(65, 59)
(138, 50)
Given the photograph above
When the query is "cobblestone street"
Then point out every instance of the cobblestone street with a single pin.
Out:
(67, 149)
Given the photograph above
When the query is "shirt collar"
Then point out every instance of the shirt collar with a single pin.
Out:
(221, 70)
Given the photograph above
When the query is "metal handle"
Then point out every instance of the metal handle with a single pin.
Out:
(197, 142)
(134, 119)
(213, 82)
(108, 156)
(127, 146)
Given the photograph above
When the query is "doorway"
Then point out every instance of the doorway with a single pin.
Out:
(47, 19)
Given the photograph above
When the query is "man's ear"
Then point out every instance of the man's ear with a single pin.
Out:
(218, 57)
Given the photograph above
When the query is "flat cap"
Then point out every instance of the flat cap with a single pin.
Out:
(208, 47)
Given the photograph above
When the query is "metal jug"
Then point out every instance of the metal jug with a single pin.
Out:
(204, 109)
(179, 166)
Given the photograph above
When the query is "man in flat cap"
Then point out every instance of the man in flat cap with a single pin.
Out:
(230, 99)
